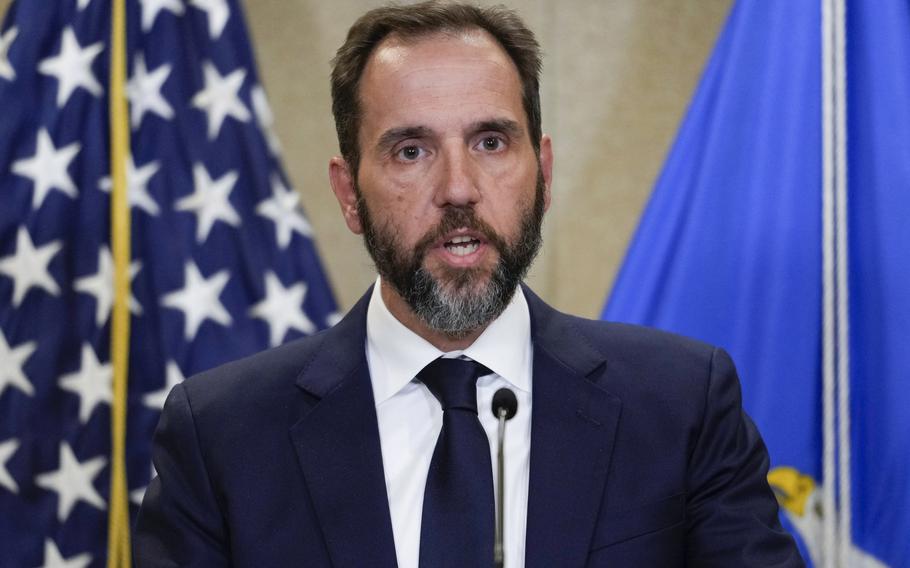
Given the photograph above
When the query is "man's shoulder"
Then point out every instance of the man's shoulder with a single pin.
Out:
(267, 375)
(618, 343)
(635, 360)
(629, 342)
(272, 379)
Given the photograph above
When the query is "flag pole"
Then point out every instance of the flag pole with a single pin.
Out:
(845, 505)
(118, 514)
(829, 443)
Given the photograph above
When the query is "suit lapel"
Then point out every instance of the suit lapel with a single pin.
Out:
(573, 425)
(337, 445)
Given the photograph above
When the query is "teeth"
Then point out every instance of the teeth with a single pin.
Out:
(463, 250)
(462, 245)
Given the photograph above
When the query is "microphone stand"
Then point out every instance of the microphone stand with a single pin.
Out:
(505, 405)
(498, 556)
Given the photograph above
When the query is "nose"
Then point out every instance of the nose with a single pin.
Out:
(458, 182)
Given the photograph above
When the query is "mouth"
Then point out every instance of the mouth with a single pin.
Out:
(462, 248)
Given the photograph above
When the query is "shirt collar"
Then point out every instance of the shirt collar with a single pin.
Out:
(396, 354)
(504, 347)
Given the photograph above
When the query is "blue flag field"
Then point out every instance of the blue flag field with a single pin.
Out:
(779, 230)
(222, 260)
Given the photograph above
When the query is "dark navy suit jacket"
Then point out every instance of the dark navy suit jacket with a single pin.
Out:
(641, 455)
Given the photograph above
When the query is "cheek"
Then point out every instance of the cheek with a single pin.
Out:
(401, 216)
(393, 201)
(409, 178)
(508, 202)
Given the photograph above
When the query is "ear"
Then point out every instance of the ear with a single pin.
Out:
(343, 185)
(546, 167)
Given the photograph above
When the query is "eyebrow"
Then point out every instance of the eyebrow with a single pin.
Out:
(394, 135)
(504, 125)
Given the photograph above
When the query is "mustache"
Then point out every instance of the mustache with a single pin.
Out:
(455, 218)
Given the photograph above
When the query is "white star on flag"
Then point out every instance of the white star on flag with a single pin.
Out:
(219, 97)
(217, 12)
(47, 168)
(11, 363)
(173, 377)
(282, 209)
(144, 91)
(136, 495)
(265, 118)
(82, 4)
(28, 266)
(282, 308)
(209, 201)
(72, 67)
(151, 9)
(53, 558)
(101, 286)
(137, 181)
(73, 481)
(7, 449)
(6, 41)
(92, 382)
(198, 299)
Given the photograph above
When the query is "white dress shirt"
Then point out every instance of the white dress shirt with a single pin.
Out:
(410, 417)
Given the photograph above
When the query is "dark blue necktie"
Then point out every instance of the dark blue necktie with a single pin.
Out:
(458, 515)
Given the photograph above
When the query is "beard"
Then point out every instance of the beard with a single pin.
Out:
(459, 300)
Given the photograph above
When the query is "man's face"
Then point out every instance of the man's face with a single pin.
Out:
(450, 190)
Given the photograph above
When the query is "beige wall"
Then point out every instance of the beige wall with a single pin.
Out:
(618, 75)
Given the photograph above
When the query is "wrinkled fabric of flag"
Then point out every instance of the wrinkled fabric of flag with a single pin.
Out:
(223, 259)
(729, 250)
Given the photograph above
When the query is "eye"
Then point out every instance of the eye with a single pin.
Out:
(409, 153)
(492, 144)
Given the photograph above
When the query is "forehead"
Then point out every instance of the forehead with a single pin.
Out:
(457, 75)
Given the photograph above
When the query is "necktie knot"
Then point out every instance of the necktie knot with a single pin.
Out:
(453, 382)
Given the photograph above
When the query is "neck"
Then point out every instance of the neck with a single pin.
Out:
(403, 313)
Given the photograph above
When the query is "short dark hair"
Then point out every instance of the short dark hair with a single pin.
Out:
(418, 20)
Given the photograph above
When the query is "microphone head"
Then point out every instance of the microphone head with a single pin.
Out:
(504, 399)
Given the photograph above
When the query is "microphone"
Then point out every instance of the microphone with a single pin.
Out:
(505, 405)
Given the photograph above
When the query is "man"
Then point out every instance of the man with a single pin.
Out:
(629, 447)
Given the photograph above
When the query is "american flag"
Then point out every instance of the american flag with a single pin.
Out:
(223, 262)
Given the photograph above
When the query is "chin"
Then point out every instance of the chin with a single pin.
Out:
(458, 280)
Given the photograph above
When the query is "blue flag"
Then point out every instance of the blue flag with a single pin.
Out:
(878, 118)
(730, 250)
(223, 261)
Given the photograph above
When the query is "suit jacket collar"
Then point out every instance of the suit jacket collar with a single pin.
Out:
(572, 431)
(337, 445)
(573, 424)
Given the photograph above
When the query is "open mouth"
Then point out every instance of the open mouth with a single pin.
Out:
(462, 245)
